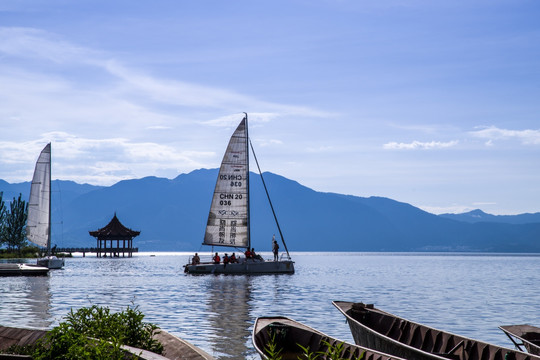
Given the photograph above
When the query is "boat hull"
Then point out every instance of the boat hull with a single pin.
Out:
(22, 270)
(528, 335)
(51, 262)
(173, 346)
(243, 268)
(288, 334)
(376, 329)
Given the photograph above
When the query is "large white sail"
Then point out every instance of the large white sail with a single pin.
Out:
(38, 223)
(228, 220)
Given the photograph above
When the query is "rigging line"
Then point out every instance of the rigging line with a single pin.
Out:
(270, 201)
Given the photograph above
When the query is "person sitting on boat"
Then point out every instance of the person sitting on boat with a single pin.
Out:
(248, 254)
(216, 259)
(254, 256)
(226, 259)
(233, 259)
(196, 259)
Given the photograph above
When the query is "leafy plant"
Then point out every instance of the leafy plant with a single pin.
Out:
(333, 352)
(95, 333)
(271, 348)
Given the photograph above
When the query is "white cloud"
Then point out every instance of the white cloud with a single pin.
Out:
(268, 142)
(99, 161)
(420, 145)
(451, 209)
(527, 137)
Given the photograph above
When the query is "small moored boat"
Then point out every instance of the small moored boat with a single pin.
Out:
(291, 338)
(21, 269)
(391, 334)
(525, 335)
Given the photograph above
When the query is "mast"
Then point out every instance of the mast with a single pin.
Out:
(247, 180)
(50, 201)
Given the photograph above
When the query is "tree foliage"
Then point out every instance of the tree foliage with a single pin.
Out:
(14, 229)
(2, 217)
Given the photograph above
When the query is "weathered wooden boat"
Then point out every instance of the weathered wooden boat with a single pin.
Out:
(173, 347)
(391, 334)
(22, 269)
(291, 337)
(525, 337)
(229, 218)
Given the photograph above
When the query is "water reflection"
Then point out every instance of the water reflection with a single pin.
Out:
(229, 307)
(25, 301)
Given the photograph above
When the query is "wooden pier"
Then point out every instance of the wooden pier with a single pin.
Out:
(112, 251)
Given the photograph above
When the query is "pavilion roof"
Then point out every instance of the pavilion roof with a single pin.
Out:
(114, 230)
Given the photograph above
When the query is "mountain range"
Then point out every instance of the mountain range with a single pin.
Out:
(171, 215)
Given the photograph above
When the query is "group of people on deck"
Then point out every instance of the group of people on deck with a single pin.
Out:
(226, 259)
(250, 254)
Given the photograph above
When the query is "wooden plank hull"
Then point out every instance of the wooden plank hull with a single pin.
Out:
(173, 347)
(527, 336)
(385, 332)
(10, 336)
(243, 268)
(288, 334)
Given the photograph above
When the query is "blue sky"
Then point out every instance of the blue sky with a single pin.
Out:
(433, 103)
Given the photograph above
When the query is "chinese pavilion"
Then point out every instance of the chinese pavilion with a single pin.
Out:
(114, 231)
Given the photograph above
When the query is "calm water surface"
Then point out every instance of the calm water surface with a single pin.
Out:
(466, 294)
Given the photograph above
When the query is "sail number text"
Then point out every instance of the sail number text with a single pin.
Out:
(226, 199)
(236, 180)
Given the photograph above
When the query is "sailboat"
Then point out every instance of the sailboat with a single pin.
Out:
(229, 217)
(38, 228)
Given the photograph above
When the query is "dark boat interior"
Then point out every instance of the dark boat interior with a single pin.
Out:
(287, 336)
(428, 339)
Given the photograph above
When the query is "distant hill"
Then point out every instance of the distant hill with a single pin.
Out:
(480, 216)
(172, 214)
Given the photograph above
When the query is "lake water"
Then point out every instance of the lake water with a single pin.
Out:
(462, 293)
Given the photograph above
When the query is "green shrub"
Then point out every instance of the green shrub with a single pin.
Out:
(95, 333)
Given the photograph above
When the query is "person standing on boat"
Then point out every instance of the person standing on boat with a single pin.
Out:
(216, 259)
(196, 259)
(275, 248)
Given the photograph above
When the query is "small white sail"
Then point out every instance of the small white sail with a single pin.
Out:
(229, 213)
(38, 223)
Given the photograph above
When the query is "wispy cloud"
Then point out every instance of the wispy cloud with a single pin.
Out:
(420, 145)
(34, 43)
(491, 133)
(125, 82)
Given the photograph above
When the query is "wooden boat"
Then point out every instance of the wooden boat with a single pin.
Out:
(391, 334)
(228, 222)
(288, 334)
(173, 347)
(21, 269)
(524, 337)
